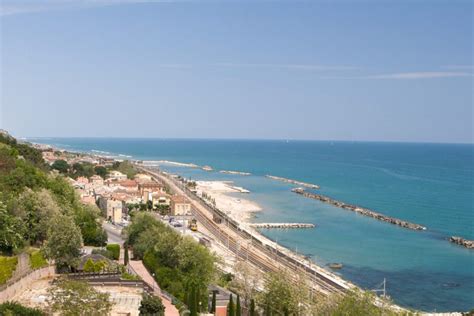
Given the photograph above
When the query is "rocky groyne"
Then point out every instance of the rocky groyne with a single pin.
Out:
(282, 225)
(236, 172)
(303, 184)
(469, 244)
(359, 210)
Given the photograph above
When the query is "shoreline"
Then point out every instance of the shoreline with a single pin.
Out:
(85, 153)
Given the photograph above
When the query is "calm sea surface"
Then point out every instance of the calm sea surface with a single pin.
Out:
(428, 184)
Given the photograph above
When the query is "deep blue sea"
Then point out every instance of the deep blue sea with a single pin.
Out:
(428, 184)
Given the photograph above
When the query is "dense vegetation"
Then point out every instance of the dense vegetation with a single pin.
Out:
(151, 305)
(33, 200)
(7, 266)
(13, 309)
(180, 265)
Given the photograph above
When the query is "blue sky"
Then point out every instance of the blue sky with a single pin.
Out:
(339, 70)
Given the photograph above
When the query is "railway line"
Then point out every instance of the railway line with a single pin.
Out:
(244, 245)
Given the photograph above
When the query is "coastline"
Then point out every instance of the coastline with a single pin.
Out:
(116, 157)
(239, 209)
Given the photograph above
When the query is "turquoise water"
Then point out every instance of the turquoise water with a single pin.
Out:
(428, 184)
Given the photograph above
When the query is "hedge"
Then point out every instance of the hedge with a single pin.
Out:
(114, 249)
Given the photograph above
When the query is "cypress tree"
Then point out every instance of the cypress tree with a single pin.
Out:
(125, 256)
(238, 310)
(230, 307)
(213, 304)
(252, 308)
(192, 302)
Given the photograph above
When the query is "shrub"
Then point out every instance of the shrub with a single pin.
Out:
(12, 308)
(115, 250)
(104, 252)
(7, 266)
(151, 305)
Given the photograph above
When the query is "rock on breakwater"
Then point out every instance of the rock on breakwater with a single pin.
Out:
(303, 184)
(282, 225)
(469, 244)
(359, 210)
(235, 172)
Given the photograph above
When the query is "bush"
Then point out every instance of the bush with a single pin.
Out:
(104, 252)
(37, 260)
(151, 305)
(115, 250)
(12, 308)
(7, 266)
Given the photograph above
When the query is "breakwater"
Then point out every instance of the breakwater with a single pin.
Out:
(359, 210)
(303, 184)
(282, 225)
(235, 172)
(469, 244)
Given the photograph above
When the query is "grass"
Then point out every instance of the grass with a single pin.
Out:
(7, 266)
(37, 260)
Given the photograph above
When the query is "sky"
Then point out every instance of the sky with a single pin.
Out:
(325, 70)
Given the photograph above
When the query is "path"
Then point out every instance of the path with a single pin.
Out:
(114, 234)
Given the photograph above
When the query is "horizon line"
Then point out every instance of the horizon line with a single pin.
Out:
(244, 139)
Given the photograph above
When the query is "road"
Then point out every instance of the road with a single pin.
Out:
(265, 256)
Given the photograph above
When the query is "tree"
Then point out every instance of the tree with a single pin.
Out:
(149, 205)
(36, 209)
(101, 171)
(11, 230)
(252, 308)
(77, 298)
(64, 242)
(125, 253)
(61, 165)
(246, 280)
(238, 309)
(192, 303)
(213, 304)
(151, 305)
(230, 307)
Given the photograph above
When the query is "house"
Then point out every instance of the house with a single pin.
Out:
(114, 210)
(117, 175)
(142, 178)
(97, 180)
(150, 186)
(129, 185)
(180, 205)
(82, 180)
(160, 198)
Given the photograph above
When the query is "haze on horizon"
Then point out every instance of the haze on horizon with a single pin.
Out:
(343, 70)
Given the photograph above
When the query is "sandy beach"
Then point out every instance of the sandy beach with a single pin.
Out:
(238, 208)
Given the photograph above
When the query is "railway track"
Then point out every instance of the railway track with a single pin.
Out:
(251, 249)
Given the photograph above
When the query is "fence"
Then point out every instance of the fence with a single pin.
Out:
(10, 289)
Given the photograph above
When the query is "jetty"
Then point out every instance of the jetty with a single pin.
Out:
(303, 184)
(207, 168)
(282, 225)
(359, 210)
(235, 172)
(469, 244)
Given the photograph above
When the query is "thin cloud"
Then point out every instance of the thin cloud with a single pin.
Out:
(309, 67)
(459, 67)
(421, 75)
(12, 7)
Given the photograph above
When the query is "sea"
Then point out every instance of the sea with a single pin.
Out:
(424, 183)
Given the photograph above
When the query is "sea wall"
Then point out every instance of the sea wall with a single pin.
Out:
(469, 244)
(303, 184)
(235, 172)
(359, 210)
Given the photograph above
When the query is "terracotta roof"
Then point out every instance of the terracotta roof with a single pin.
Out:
(128, 183)
(179, 199)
